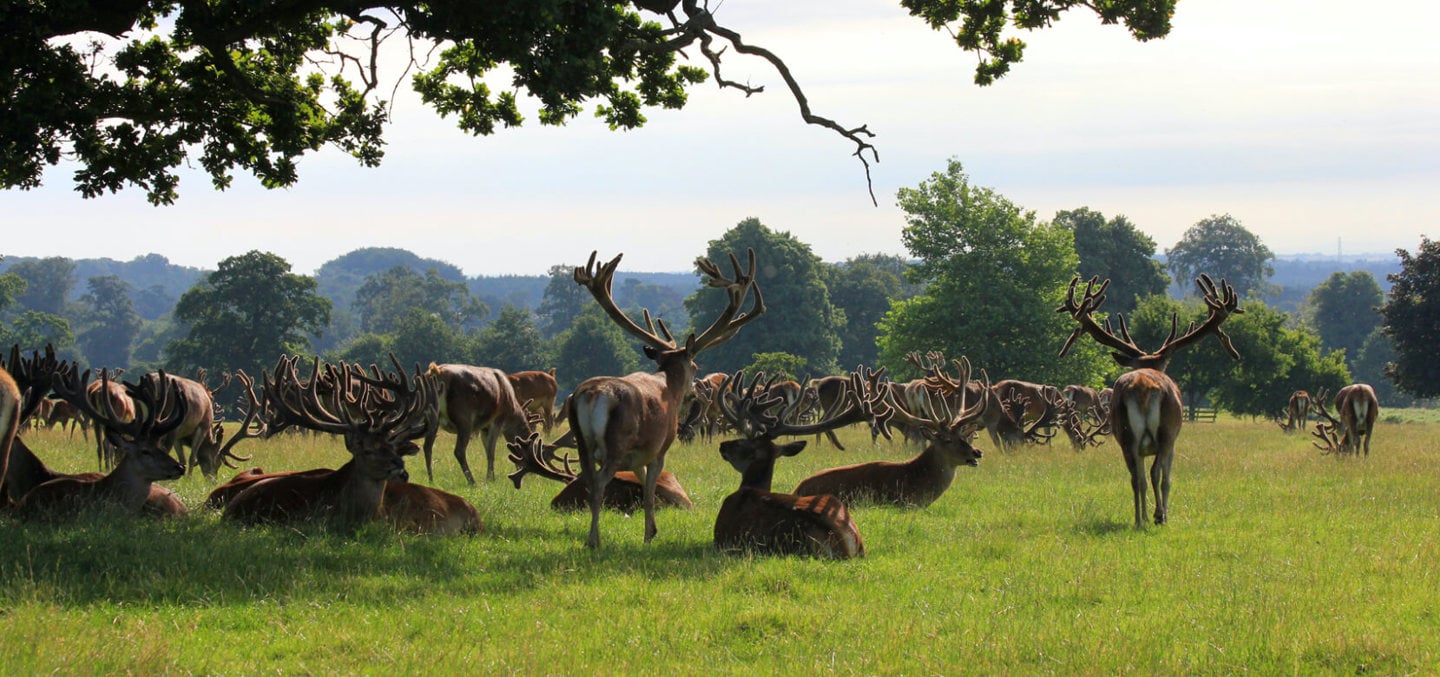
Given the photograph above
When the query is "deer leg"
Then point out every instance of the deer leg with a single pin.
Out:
(462, 440)
(650, 476)
(491, 435)
(1137, 481)
(833, 440)
(1160, 478)
(428, 447)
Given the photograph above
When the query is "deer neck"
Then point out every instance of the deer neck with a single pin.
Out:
(125, 485)
(759, 475)
(26, 471)
(359, 496)
(932, 464)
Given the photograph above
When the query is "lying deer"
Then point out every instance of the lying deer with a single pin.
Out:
(756, 519)
(624, 492)
(143, 459)
(922, 479)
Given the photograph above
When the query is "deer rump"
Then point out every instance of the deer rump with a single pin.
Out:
(759, 521)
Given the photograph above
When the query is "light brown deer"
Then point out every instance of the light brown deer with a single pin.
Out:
(1145, 407)
(536, 391)
(378, 418)
(921, 480)
(829, 394)
(629, 422)
(1297, 412)
(143, 459)
(198, 433)
(124, 407)
(1357, 408)
(756, 519)
(475, 400)
(9, 417)
(625, 492)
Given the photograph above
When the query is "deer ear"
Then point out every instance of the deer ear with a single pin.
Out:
(792, 448)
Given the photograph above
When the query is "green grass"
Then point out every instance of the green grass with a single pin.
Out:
(1277, 560)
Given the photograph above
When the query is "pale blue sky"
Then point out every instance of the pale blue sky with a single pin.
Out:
(1310, 121)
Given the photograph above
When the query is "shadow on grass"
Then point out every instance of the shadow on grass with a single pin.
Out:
(1099, 526)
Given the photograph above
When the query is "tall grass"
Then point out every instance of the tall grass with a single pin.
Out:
(1277, 559)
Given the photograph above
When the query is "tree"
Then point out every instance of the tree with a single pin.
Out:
(799, 318)
(246, 85)
(593, 346)
(864, 287)
(1369, 365)
(246, 314)
(1115, 250)
(1222, 248)
(34, 330)
(423, 337)
(1412, 320)
(48, 284)
(512, 343)
(112, 322)
(384, 299)
(1275, 361)
(562, 302)
(1345, 308)
(994, 277)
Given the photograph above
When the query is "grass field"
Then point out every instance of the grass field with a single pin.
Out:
(1276, 560)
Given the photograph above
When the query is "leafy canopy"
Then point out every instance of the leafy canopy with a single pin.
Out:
(132, 89)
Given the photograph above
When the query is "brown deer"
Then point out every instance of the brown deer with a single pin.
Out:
(625, 492)
(536, 391)
(1297, 412)
(198, 433)
(378, 417)
(924, 478)
(1145, 407)
(629, 422)
(1358, 408)
(829, 394)
(119, 402)
(475, 400)
(756, 519)
(143, 459)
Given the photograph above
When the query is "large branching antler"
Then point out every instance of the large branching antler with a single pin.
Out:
(1221, 300)
(532, 456)
(159, 408)
(936, 413)
(33, 376)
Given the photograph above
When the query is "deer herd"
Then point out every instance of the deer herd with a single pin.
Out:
(159, 426)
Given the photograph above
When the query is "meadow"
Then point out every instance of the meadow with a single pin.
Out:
(1277, 559)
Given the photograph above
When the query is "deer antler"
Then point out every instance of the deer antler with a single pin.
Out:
(532, 456)
(255, 423)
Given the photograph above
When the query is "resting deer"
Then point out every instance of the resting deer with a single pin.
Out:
(138, 442)
(918, 482)
(9, 417)
(1358, 409)
(756, 519)
(475, 400)
(1145, 406)
(625, 492)
(378, 418)
(629, 422)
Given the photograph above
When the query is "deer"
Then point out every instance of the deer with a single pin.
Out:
(1145, 406)
(829, 393)
(10, 418)
(537, 391)
(1358, 408)
(198, 432)
(475, 400)
(119, 402)
(143, 459)
(755, 518)
(629, 422)
(377, 416)
(1297, 412)
(921, 480)
(625, 492)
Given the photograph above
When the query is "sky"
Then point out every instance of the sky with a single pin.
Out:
(1315, 123)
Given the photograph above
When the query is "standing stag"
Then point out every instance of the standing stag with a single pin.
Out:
(947, 432)
(756, 519)
(536, 391)
(1358, 408)
(1145, 406)
(629, 422)
(1297, 412)
(198, 432)
(475, 400)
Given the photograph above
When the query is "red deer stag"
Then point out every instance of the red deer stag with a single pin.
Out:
(625, 492)
(1357, 408)
(536, 392)
(119, 402)
(1145, 407)
(475, 400)
(628, 422)
(198, 433)
(829, 394)
(143, 459)
(924, 478)
(1297, 412)
(9, 417)
(756, 519)
(377, 418)
(408, 507)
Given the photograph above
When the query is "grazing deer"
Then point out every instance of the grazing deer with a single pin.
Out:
(378, 417)
(756, 519)
(68, 417)
(629, 422)
(119, 402)
(198, 432)
(625, 492)
(536, 390)
(924, 478)
(1358, 408)
(829, 394)
(475, 400)
(143, 459)
(1145, 407)
(1297, 412)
